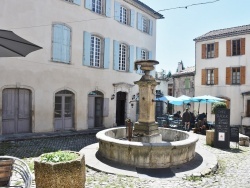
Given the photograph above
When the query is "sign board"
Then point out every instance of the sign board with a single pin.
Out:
(222, 128)
(234, 134)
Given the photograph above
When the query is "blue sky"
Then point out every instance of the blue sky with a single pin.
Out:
(176, 32)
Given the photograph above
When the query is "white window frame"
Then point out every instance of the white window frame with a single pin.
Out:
(123, 57)
(124, 15)
(96, 51)
(144, 54)
(97, 6)
(145, 25)
(210, 76)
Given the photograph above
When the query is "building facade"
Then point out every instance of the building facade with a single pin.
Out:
(184, 84)
(84, 76)
(222, 69)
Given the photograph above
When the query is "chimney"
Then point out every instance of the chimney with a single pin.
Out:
(180, 66)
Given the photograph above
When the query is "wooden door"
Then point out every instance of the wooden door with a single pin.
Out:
(16, 111)
(120, 108)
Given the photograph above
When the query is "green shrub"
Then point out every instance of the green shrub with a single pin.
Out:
(218, 105)
(58, 156)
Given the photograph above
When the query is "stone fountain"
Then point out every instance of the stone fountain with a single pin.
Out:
(151, 146)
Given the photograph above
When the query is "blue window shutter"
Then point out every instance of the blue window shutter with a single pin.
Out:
(106, 53)
(131, 58)
(132, 18)
(88, 4)
(150, 27)
(57, 42)
(117, 11)
(86, 48)
(139, 21)
(108, 8)
(66, 45)
(77, 2)
(116, 55)
(150, 55)
(138, 57)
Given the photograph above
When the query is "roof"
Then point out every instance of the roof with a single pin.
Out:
(143, 6)
(187, 71)
(222, 33)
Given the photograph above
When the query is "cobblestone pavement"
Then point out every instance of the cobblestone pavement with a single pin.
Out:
(234, 165)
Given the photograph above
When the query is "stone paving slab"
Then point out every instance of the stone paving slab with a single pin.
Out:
(203, 163)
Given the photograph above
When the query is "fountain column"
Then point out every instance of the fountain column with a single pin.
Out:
(146, 129)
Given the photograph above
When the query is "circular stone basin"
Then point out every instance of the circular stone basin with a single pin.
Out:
(177, 147)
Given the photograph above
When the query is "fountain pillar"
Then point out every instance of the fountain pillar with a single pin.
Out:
(146, 129)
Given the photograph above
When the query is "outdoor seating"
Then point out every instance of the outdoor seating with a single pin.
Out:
(10, 165)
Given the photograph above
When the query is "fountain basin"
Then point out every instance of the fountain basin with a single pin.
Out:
(177, 147)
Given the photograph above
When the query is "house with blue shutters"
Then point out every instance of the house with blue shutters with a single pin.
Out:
(83, 77)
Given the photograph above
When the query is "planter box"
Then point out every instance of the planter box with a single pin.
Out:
(63, 174)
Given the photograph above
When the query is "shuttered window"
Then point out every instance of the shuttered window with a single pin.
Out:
(124, 15)
(209, 76)
(210, 50)
(123, 57)
(96, 51)
(99, 6)
(235, 47)
(142, 54)
(61, 43)
(235, 75)
(187, 83)
(144, 24)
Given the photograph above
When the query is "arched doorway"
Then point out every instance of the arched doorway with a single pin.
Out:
(64, 110)
(16, 111)
(95, 109)
(120, 108)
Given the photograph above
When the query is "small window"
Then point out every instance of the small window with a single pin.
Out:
(97, 6)
(210, 76)
(236, 75)
(123, 56)
(144, 54)
(145, 25)
(248, 108)
(210, 50)
(187, 83)
(95, 51)
(236, 47)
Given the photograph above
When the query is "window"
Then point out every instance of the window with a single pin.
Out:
(124, 15)
(210, 50)
(99, 6)
(144, 24)
(235, 75)
(235, 47)
(77, 2)
(122, 57)
(95, 51)
(61, 43)
(248, 108)
(210, 76)
(142, 54)
(187, 83)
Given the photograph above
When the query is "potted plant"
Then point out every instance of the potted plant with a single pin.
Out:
(60, 169)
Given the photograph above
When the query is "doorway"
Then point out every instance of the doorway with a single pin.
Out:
(95, 109)
(64, 110)
(120, 108)
(16, 111)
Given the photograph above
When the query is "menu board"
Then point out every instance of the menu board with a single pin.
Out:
(222, 128)
(234, 134)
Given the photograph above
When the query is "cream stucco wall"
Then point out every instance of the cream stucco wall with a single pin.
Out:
(33, 21)
(231, 92)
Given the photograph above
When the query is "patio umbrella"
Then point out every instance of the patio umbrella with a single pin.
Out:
(206, 99)
(11, 45)
(166, 98)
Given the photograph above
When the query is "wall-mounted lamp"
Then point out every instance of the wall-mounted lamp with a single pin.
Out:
(112, 96)
(133, 97)
(132, 105)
